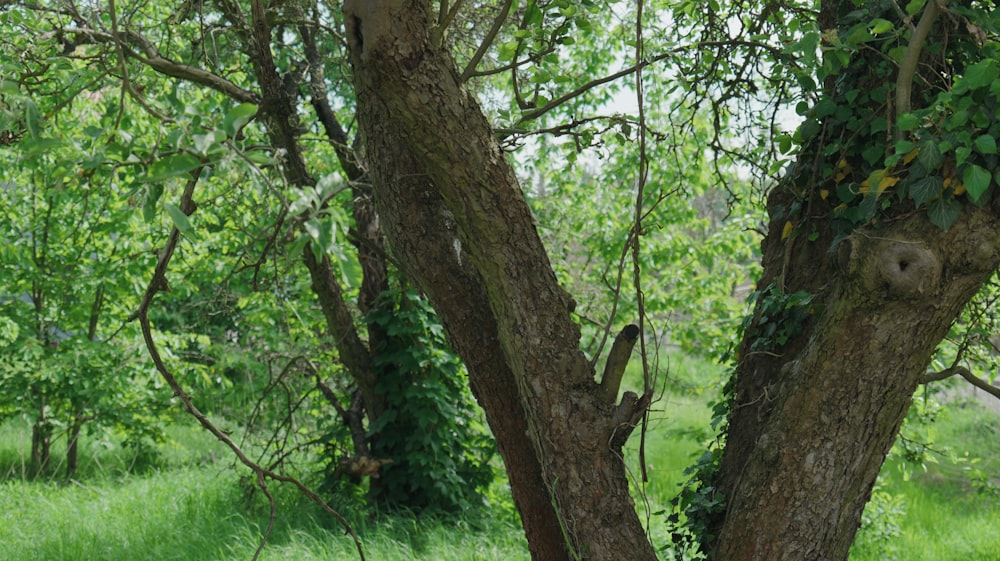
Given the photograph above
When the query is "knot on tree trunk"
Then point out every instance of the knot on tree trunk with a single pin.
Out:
(905, 269)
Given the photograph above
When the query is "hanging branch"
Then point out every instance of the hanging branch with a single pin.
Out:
(159, 282)
(637, 228)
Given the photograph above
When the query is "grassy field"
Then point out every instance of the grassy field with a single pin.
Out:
(191, 505)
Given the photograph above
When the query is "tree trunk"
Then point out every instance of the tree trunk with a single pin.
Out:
(41, 441)
(457, 220)
(73, 446)
(842, 333)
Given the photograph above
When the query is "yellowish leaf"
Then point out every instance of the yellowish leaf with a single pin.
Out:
(787, 230)
(887, 182)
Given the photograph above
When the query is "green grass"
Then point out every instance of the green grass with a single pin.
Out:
(944, 516)
(188, 503)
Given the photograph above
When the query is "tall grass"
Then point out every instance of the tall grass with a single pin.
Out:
(189, 504)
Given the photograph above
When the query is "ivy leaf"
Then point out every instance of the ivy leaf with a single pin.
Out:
(925, 189)
(944, 212)
(908, 122)
(981, 74)
(930, 155)
(977, 181)
(986, 144)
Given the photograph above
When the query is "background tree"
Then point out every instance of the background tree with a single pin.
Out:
(233, 119)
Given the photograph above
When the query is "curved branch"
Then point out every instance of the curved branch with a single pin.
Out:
(138, 47)
(156, 284)
(965, 373)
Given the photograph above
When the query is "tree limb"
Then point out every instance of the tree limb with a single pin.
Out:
(908, 66)
(138, 47)
(965, 373)
(618, 357)
(487, 41)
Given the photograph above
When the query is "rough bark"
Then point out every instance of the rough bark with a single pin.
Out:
(455, 216)
(814, 418)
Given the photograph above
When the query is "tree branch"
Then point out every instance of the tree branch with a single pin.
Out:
(156, 284)
(618, 357)
(908, 66)
(965, 373)
(149, 55)
(487, 41)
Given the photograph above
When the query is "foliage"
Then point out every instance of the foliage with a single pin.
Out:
(935, 157)
(880, 524)
(439, 448)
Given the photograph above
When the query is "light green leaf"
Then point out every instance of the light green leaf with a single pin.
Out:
(208, 142)
(32, 119)
(908, 122)
(981, 74)
(879, 25)
(153, 194)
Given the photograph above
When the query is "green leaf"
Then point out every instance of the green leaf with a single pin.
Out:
(879, 25)
(153, 194)
(986, 144)
(930, 155)
(944, 212)
(507, 51)
(981, 74)
(32, 119)
(237, 117)
(926, 189)
(180, 220)
(908, 122)
(976, 180)
(208, 142)
(914, 6)
(533, 15)
(174, 165)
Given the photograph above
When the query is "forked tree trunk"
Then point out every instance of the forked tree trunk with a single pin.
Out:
(457, 220)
